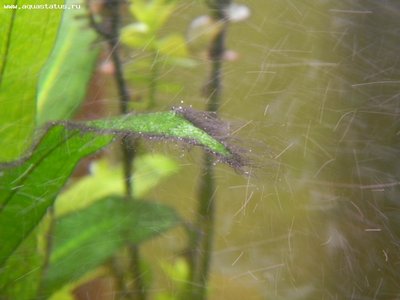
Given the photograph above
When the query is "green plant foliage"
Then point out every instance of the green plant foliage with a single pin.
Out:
(106, 179)
(151, 16)
(153, 13)
(174, 50)
(160, 125)
(160, 53)
(178, 273)
(86, 239)
(29, 186)
(20, 277)
(66, 75)
(26, 40)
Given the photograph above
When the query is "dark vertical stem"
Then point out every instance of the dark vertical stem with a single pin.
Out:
(113, 7)
(202, 240)
(216, 53)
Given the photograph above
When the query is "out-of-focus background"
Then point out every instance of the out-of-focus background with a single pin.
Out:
(315, 94)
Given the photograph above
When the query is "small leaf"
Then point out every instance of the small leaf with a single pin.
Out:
(178, 271)
(86, 239)
(154, 13)
(137, 35)
(173, 45)
(29, 186)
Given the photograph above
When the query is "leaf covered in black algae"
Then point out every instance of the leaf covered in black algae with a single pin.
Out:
(218, 129)
(206, 120)
(29, 186)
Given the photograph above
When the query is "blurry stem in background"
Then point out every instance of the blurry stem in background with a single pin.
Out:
(112, 34)
(201, 243)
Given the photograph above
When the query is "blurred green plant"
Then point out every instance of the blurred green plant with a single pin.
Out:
(178, 273)
(157, 50)
(65, 77)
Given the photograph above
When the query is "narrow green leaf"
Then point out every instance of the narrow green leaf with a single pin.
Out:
(29, 186)
(65, 77)
(166, 125)
(26, 40)
(86, 239)
(28, 189)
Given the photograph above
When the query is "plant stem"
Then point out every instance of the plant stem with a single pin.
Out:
(127, 145)
(203, 238)
(201, 244)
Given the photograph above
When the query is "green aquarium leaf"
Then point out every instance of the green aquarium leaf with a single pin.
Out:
(106, 178)
(86, 239)
(137, 35)
(26, 39)
(29, 186)
(173, 45)
(161, 125)
(20, 277)
(153, 13)
(66, 75)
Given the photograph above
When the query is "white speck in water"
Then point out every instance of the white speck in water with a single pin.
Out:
(237, 12)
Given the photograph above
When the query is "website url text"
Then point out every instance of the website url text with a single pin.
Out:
(42, 6)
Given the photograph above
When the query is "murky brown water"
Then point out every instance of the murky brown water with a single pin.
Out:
(316, 90)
